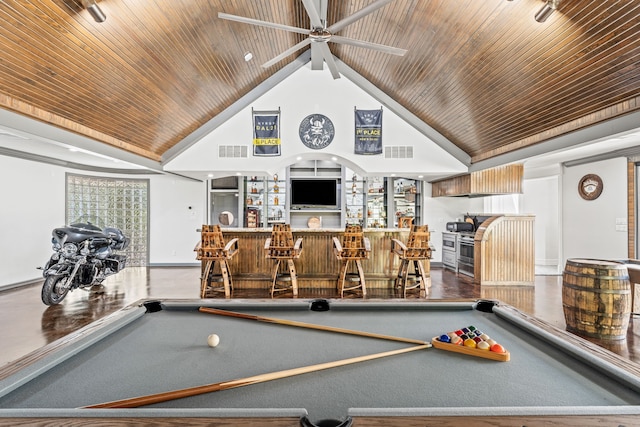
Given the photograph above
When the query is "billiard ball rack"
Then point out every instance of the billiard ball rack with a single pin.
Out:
(470, 351)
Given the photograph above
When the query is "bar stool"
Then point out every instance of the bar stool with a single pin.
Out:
(415, 251)
(212, 248)
(354, 247)
(405, 222)
(280, 247)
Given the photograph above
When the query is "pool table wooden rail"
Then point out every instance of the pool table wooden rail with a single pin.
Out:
(401, 417)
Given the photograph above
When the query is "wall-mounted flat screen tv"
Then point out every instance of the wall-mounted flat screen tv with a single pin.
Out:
(314, 193)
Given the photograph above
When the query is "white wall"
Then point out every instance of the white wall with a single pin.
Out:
(589, 227)
(33, 194)
(307, 92)
(541, 197)
(32, 199)
(178, 209)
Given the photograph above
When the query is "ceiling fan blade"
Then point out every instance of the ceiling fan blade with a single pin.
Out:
(286, 53)
(358, 15)
(328, 58)
(314, 16)
(379, 47)
(252, 21)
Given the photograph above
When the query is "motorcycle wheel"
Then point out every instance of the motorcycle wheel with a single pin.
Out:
(50, 292)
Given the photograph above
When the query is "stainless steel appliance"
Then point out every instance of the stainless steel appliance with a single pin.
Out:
(450, 250)
(465, 253)
(460, 226)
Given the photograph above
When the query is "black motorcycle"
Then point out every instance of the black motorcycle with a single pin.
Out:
(83, 257)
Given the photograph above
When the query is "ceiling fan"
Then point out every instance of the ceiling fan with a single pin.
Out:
(320, 34)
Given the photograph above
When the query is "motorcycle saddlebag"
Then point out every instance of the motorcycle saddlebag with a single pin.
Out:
(116, 262)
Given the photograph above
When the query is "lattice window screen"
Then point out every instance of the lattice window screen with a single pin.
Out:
(122, 203)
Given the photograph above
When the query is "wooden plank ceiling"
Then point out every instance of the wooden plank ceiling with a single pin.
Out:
(481, 72)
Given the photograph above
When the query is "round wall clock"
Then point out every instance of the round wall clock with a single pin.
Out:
(316, 131)
(590, 187)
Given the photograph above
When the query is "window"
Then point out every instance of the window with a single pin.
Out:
(118, 202)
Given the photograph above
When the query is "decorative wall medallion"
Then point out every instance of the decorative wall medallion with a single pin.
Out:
(316, 131)
(590, 187)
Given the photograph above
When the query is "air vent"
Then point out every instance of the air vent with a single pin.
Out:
(398, 152)
(232, 151)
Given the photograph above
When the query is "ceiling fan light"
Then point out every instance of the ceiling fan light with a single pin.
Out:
(545, 12)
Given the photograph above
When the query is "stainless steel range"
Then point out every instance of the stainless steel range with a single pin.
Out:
(465, 253)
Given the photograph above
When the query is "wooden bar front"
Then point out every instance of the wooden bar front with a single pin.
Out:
(317, 266)
(504, 251)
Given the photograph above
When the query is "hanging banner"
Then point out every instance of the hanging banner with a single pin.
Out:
(266, 133)
(368, 131)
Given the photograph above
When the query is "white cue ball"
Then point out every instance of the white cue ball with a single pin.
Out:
(213, 340)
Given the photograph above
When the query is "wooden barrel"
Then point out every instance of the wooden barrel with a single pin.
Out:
(596, 298)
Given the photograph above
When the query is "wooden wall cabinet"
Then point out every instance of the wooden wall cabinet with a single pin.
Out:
(500, 180)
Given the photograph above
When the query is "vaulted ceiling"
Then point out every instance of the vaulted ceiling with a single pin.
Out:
(482, 73)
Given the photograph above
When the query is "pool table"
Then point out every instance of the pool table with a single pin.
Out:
(552, 377)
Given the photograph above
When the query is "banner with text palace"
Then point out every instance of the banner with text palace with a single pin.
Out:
(266, 133)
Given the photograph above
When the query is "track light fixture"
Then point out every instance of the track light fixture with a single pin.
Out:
(94, 10)
(547, 10)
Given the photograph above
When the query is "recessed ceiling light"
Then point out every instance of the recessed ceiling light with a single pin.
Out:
(248, 56)
(420, 176)
(210, 175)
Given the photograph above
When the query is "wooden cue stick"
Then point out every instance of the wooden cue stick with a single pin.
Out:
(225, 385)
(310, 326)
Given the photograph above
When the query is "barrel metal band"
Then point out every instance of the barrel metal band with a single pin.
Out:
(570, 273)
(598, 291)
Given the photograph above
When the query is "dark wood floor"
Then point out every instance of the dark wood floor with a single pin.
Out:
(27, 324)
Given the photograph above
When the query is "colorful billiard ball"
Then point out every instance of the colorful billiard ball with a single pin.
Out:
(469, 343)
(483, 345)
(497, 348)
(444, 338)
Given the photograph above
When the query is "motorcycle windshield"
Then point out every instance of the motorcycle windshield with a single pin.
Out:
(89, 223)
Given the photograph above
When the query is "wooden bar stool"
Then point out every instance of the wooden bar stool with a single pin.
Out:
(354, 247)
(212, 248)
(280, 247)
(416, 251)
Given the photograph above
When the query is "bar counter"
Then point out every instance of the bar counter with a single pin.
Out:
(317, 266)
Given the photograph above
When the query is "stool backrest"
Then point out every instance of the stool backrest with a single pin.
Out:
(418, 241)
(282, 243)
(211, 242)
(353, 242)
